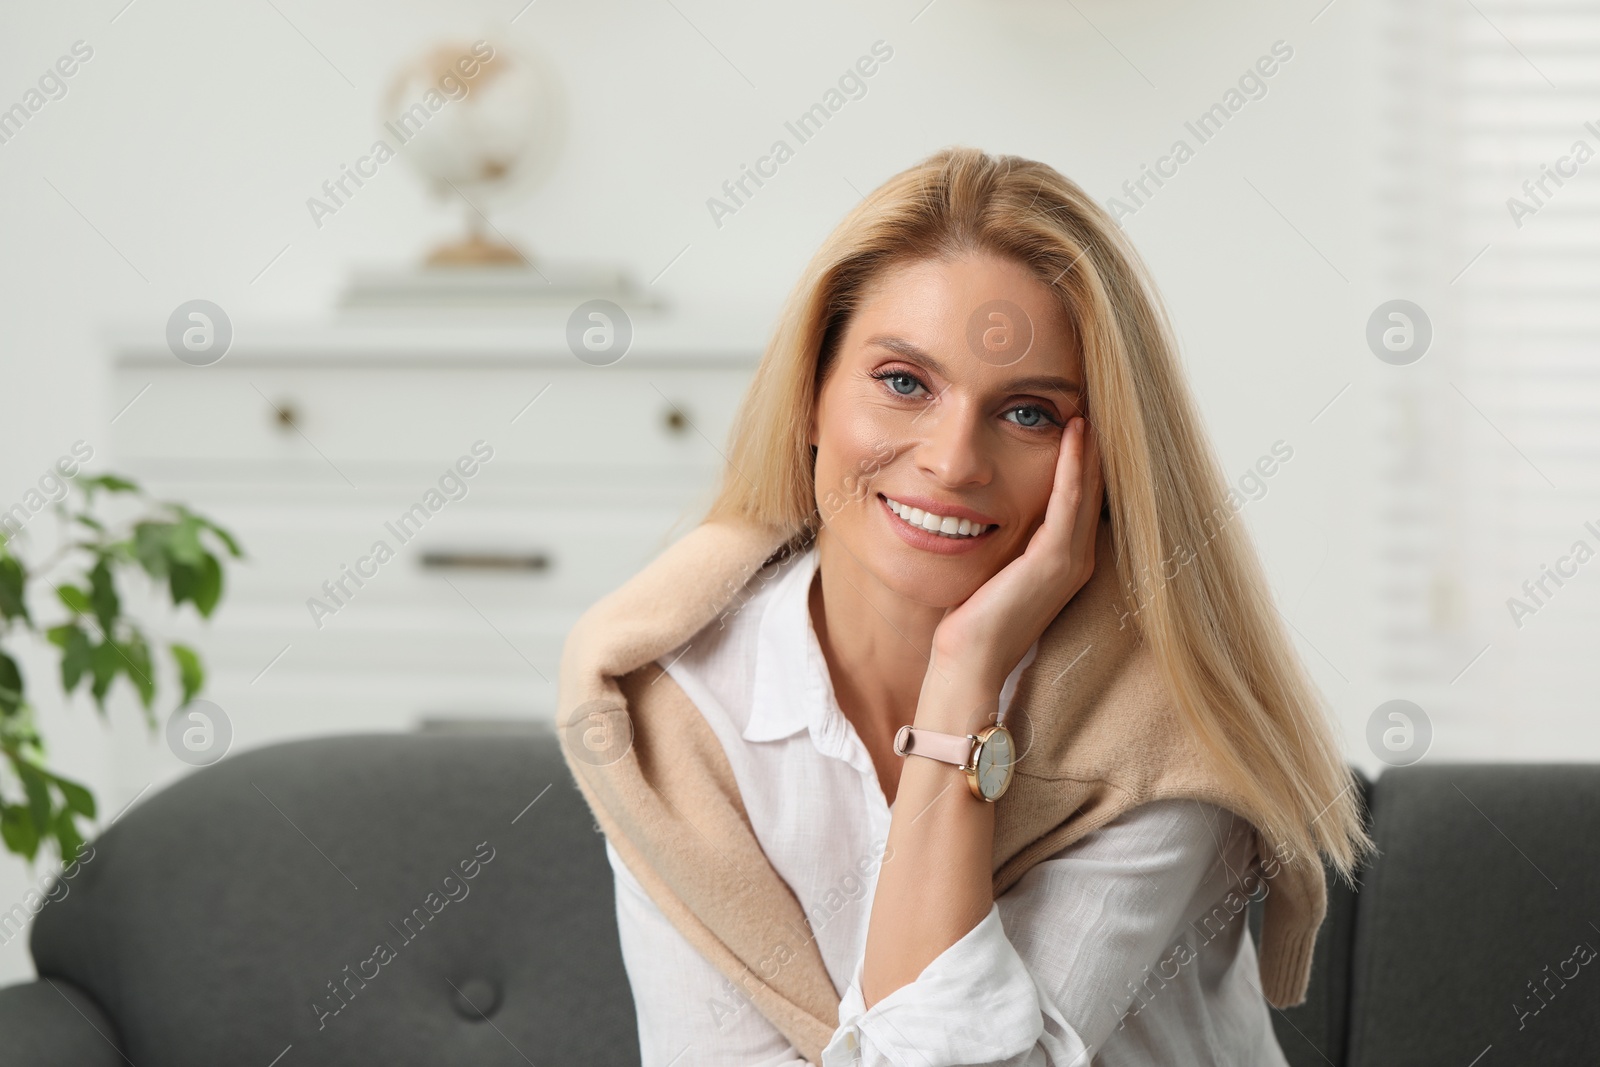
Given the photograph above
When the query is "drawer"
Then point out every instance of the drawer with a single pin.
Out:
(324, 418)
(445, 647)
(489, 583)
(534, 555)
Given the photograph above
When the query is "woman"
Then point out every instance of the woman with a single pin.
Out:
(918, 438)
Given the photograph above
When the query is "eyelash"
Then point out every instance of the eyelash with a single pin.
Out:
(1050, 420)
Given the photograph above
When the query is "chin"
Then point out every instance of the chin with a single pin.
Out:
(935, 588)
(921, 566)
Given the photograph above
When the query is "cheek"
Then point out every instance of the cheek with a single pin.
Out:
(852, 447)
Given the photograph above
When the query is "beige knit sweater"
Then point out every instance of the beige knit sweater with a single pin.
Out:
(1094, 723)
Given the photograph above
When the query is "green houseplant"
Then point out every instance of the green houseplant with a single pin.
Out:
(179, 550)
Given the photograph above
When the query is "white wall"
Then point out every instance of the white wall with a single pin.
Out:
(178, 165)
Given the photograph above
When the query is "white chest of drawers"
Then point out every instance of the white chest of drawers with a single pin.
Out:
(317, 445)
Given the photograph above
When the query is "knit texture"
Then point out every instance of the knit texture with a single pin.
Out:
(1096, 731)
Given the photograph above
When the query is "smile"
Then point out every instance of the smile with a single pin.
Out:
(943, 525)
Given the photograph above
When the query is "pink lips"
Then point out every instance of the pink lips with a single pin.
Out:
(927, 540)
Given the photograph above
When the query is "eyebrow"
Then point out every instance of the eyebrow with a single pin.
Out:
(911, 351)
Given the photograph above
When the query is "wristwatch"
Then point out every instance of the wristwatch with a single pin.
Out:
(988, 757)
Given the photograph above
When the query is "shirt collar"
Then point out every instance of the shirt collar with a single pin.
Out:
(786, 686)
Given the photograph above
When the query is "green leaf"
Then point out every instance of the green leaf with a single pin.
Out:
(183, 580)
(210, 591)
(12, 581)
(78, 798)
(226, 538)
(75, 657)
(150, 547)
(191, 671)
(37, 786)
(136, 665)
(66, 833)
(183, 542)
(111, 483)
(103, 596)
(10, 685)
(90, 521)
(105, 660)
(201, 586)
(76, 600)
(223, 535)
(18, 735)
(18, 831)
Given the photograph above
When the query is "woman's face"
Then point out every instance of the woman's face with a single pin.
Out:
(948, 395)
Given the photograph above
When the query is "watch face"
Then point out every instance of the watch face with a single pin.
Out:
(995, 760)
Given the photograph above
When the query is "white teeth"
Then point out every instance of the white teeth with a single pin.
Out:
(945, 525)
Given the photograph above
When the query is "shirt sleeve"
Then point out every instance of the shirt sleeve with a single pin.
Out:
(688, 1013)
(1051, 972)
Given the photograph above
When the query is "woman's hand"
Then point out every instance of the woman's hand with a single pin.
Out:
(986, 635)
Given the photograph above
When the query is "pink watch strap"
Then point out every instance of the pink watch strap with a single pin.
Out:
(947, 748)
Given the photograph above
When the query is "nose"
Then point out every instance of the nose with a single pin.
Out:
(953, 449)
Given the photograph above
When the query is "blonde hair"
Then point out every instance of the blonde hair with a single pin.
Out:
(1212, 625)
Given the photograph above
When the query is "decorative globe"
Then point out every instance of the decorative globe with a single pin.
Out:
(482, 123)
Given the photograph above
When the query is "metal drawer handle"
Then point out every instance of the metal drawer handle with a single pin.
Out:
(287, 417)
(538, 562)
(675, 421)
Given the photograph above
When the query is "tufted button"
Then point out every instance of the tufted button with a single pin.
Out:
(476, 998)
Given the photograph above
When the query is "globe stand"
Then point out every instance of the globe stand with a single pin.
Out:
(476, 251)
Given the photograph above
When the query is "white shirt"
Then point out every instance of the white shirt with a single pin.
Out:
(1117, 950)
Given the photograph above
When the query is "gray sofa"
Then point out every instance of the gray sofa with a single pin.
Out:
(234, 918)
(214, 915)
(1462, 946)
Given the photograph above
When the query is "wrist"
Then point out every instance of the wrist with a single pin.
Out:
(957, 703)
(970, 667)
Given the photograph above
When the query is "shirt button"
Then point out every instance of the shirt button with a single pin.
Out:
(850, 1038)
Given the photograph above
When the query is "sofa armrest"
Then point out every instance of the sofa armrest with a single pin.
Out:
(53, 1023)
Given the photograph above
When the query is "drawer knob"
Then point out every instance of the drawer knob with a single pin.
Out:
(676, 422)
(288, 417)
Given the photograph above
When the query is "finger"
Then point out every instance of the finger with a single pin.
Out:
(1066, 480)
(1093, 481)
(1060, 514)
(1086, 528)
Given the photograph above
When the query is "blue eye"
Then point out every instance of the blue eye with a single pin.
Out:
(902, 383)
(1034, 417)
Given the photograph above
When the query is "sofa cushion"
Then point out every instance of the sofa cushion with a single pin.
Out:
(1477, 927)
(397, 899)
(53, 1023)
